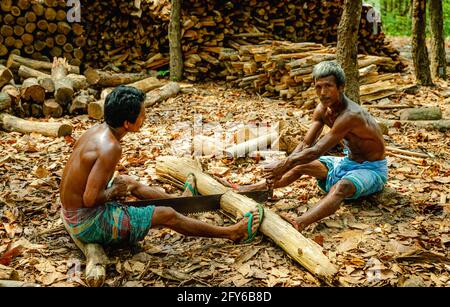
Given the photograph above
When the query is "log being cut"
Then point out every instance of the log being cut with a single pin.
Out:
(306, 252)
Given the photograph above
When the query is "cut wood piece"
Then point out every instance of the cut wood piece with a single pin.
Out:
(31, 91)
(80, 103)
(14, 62)
(260, 143)
(52, 109)
(54, 129)
(169, 90)
(47, 83)
(27, 72)
(5, 75)
(146, 84)
(16, 284)
(79, 82)
(407, 152)
(111, 79)
(36, 110)
(5, 101)
(95, 109)
(63, 85)
(425, 113)
(96, 259)
(13, 92)
(306, 252)
(441, 125)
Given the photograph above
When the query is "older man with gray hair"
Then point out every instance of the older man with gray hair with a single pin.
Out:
(361, 171)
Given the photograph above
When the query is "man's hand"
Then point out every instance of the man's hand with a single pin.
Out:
(119, 188)
(275, 170)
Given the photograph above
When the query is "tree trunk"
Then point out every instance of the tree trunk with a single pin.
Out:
(12, 123)
(176, 56)
(419, 47)
(438, 60)
(306, 252)
(169, 90)
(347, 46)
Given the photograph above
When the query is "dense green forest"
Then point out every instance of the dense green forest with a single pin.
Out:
(396, 16)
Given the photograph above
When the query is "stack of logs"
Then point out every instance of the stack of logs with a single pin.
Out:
(54, 89)
(37, 88)
(284, 69)
(132, 35)
(39, 29)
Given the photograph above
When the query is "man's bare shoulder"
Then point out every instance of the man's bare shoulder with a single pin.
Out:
(101, 142)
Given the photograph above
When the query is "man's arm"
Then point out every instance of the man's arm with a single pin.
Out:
(340, 128)
(314, 131)
(95, 192)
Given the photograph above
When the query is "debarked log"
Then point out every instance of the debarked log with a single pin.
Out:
(306, 252)
(55, 129)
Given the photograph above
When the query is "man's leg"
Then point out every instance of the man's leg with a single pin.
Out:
(325, 207)
(315, 169)
(168, 217)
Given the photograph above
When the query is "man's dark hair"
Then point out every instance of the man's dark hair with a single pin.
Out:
(329, 68)
(123, 104)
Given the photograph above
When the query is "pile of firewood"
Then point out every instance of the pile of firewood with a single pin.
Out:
(45, 89)
(284, 69)
(38, 88)
(39, 29)
(132, 35)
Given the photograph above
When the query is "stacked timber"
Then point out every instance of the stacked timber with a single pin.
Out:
(132, 35)
(39, 29)
(284, 69)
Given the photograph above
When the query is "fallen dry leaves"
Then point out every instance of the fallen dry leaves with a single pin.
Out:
(400, 238)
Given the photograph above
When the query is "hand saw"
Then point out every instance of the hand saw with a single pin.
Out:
(197, 204)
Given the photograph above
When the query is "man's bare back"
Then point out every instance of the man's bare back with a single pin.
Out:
(97, 146)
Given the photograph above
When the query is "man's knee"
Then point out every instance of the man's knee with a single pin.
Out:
(344, 188)
(164, 216)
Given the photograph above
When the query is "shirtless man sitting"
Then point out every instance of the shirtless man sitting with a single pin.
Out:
(88, 201)
(363, 170)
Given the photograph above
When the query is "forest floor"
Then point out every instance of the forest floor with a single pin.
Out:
(400, 240)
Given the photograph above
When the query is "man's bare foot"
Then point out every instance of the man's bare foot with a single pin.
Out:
(241, 232)
(292, 219)
(190, 186)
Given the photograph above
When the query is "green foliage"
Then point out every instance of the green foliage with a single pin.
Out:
(396, 16)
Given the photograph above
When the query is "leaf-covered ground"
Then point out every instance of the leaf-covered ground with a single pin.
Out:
(398, 239)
